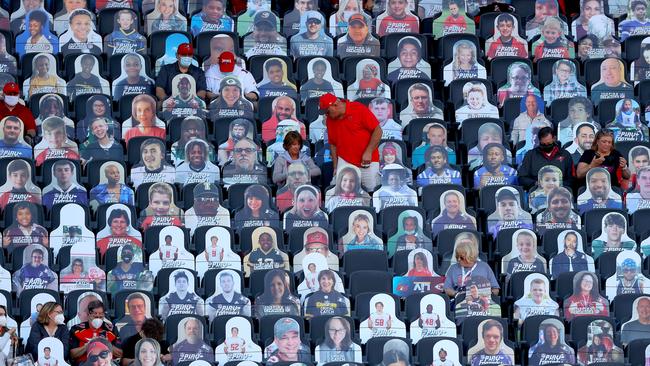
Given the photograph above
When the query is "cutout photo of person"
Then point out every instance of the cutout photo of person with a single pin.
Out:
(277, 298)
(475, 104)
(18, 23)
(368, 82)
(165, 17)
(319, 80)
(191, 128)
(118, 230)
(8, 62)
(101, 145)
(245, 20)
(382, 109)
(82, 273)
(265, 253)
(86, 80)
(190, 345)
(627, 125)
(347, 190)
(612, 83)
(184, 101)
(537, 299)
(231, 101)
(181, 297)
(311, 39)
(265, 38)
(543, 10)
(599, 193)
(294, 19)
(437, 169)
(410, 233)
(287, 344)
(394, 190)
(171, 252)
(206, 210)
(524, 256)
(588, 10)
(580, 111)
(548, 178)
(80, 37)
(358, 41)
(133, 80)
(464, 63)
(306, 210)
(509, 213)
(339, 21)
(97, 106)
(61, 19)
(212, 17)
(34, 273)
(628, 278)
(551, 346)
(238, 344)
(257, 209)
(382, 320)
(453, 19)
(152, 166)
(495, 169)
(227, 298)
(275, 82)
(51, 352)
(552, 43)
(162, 209)
(396, 352)
(433, 134)
(420, 264)
(397, 18)
(71, 232)
(218, 253)
(420, 105)
(639, 198)
(429, 323)
(409, 62)
(19, 186)
(45, 79)
(64, 187)
(613, 236)
(600, 346)
(490, 347)
(244, 166)
(323, 291)
(586, 299)
(559, 211)
(476, 300)
(12, 143)
(25, 229)
(360, 233)
(570, 255)
(637, 22)
(37, 37)
(531, 118)
(488, 133)
(565, 84)
(315, 240)
(453, 214)
(51, 105)
(125, 37)
(129, 272)
(143, 121)
(519, 83)
(338, 345)
(640, 68)
(638, 326)
(506, 41)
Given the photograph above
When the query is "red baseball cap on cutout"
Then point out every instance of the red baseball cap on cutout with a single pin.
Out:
(226, 61)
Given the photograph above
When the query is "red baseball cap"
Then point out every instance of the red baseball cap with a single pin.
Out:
(11, 88)
(226, 61)
(185, 49)
(326, 100)
(317, 237)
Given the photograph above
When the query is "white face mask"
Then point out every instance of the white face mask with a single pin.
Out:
(59, 319)
(3, 321)
(11, 100)
(96, 323)
(347, 14)
(186, 61)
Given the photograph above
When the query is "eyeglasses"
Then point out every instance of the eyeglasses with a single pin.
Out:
(247, 150)
(103, 355)
(337, 331)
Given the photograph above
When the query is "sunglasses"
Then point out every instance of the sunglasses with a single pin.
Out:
(103, 355)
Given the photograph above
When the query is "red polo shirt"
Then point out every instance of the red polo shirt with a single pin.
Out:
(20, 111)
(351, 133)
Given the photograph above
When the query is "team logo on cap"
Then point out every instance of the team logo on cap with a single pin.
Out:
(231, 81)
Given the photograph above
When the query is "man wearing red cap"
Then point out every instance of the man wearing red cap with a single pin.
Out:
(11, 107)
(228, 67)
(184, 54)
(354, 134)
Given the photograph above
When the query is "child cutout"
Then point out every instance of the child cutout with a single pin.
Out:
(524, 256)
(24, 230)
(506, 41)
(464, 63)
(212, 17)
(537, 299)
(368, 82)
(37, 37)
(81, 38)
(125, 37)
(476, 103)
(397, 19)
(548, 177)
(553, 43)
(166, 17)
(19, 186)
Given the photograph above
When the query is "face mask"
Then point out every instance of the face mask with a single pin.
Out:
(96, 323)
(59, 319)
(127, 258)
(409, 232)
(546, 148)
(11, 100)
(186, 61)
(3, 321)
